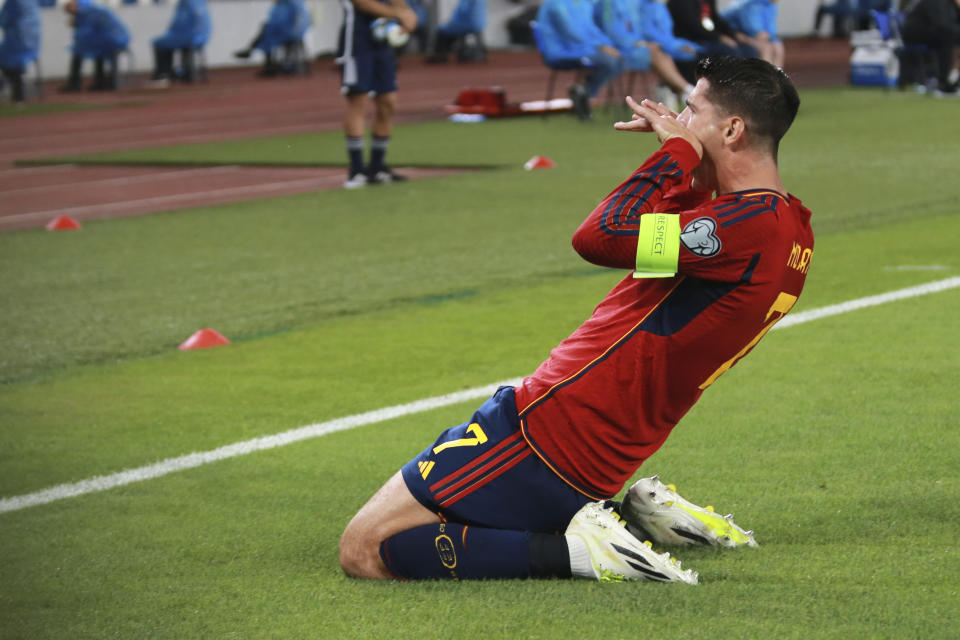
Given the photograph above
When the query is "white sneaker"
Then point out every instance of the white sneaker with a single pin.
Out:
(356, 181)
(601, 548)
(657, 510)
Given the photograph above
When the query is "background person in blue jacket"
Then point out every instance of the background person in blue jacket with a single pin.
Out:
(658, 27)
(568, 33)
(285, 27)
(624, 22)
(757, 21)
(20, 21)
(189, 29)
(469, 16)
(97, 34)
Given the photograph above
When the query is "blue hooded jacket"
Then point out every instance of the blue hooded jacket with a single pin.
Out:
(752, 16)
(658, 27)
(20, 21)
(190, 27)
(567, 30)
(469, 16)
(287, 21)
(98, 32)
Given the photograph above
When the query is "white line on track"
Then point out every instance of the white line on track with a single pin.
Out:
(144, 174)
(170, 465)
(156, 202)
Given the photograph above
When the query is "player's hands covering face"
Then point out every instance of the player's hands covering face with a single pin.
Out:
(650, 116)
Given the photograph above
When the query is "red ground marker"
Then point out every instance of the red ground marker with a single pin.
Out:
(204, 339)
(539, 162)
(63, 223)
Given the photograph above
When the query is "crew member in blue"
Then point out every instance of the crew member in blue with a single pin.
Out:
(369, 69)
(624, 22)
(568, 33)
(469, 16)
(756, 20)
(189, 30)
(658, 27)
(97, 34)
(285, 27)
(20, 22)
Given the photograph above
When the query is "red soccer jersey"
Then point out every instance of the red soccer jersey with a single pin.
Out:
(608, 396)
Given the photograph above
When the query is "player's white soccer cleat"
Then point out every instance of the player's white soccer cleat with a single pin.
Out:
(603, 549)
(653, 508)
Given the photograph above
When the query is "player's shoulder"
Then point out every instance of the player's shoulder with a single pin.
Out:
(752, 205)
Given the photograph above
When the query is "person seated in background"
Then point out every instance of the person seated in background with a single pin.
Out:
(623, 22)
(20, 22)
(757, 21)
(658, 27)
(569, 34)
(841, 11)
(935, 24)
(700, 22)
(848, 15)
(97, 34)
(285, 27)
(469, 16)
(189, 30)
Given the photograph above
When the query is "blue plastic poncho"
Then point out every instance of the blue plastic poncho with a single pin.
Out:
(287, 21)
(189, 28)
(469, 16)
(20, 21)
(98, 32)
(622, 22)
(567, 30)
(752, 16)
(658, 27)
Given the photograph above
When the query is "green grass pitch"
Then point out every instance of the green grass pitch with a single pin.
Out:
(836, 440)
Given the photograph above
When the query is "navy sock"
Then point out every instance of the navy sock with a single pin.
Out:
(378, 151)
(355, 153)
(460, 552)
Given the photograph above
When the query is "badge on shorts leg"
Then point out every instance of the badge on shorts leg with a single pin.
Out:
(700, 237)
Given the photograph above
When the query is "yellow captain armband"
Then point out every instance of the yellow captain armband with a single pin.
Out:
(658, 245)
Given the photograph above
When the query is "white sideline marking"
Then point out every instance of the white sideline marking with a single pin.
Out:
(189, 461)
(869, 301)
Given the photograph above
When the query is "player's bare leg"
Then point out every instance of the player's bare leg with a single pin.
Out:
(665, 68)
(385, 106)
(353, 127)
(777, 53)
(391, 510)
(353, 123)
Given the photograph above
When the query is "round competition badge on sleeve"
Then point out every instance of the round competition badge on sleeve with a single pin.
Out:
(700, 238)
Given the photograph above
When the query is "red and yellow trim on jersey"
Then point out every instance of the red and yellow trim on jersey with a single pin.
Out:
(573, 485)
(524, 429)
(760, 192)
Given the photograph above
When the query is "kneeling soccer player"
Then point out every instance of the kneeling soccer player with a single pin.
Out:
(522, 489)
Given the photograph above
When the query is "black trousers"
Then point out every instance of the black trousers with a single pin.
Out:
(163, 63)
(15, 78)
(104, 72)
(940, 38)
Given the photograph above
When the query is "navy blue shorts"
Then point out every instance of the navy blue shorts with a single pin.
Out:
(372, 71)
(483, 473)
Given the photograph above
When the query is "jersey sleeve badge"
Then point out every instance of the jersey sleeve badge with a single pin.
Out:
(700, 237)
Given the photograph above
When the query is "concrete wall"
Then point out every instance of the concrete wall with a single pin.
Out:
(236, 21)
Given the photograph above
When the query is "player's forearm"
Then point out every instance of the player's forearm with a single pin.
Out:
(608, 237)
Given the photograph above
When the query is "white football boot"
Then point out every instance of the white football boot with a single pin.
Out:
(601, 548)
(655, 510)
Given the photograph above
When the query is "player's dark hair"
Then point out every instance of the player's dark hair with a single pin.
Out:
(755, 90)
